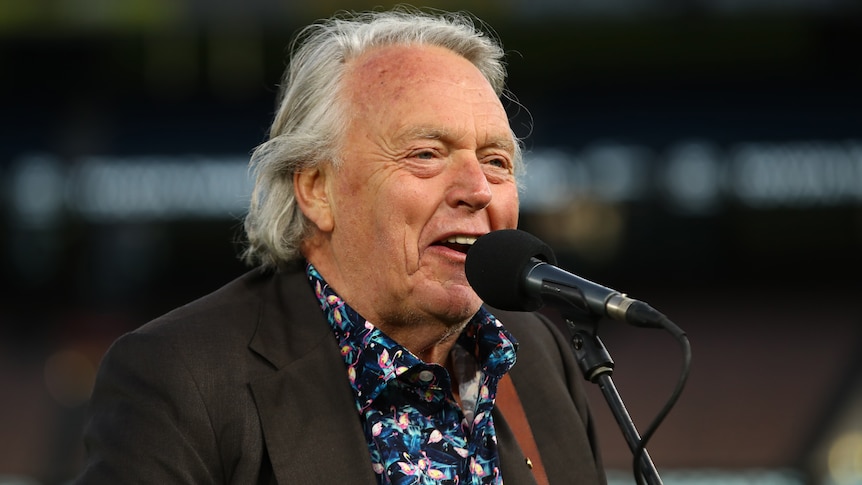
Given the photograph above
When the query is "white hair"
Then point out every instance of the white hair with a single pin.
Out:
(308, 125)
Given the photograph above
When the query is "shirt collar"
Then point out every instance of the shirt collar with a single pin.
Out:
(373, 359)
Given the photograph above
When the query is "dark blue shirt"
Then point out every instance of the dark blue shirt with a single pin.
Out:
(417, 433)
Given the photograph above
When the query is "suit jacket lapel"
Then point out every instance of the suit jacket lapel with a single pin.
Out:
(306, 405)
(304, 410)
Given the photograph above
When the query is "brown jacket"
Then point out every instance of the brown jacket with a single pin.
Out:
(246, 385)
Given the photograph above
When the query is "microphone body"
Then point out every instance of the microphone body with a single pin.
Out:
(514, 270)
(547, 280)
(555, 285)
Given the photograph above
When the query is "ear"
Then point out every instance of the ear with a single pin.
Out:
(312, 195)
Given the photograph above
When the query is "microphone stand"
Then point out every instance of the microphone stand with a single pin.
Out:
(597, 366)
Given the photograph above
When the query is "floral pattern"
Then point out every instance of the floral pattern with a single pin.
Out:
(417, 432)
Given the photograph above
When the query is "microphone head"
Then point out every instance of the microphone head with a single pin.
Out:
(496, 268)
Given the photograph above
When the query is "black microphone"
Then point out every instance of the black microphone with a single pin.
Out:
(513, 270)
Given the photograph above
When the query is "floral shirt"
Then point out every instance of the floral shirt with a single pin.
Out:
(417, 433)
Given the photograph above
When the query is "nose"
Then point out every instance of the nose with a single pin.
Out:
(470, 187)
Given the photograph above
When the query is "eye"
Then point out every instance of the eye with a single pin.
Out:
(424, 155)
(498, 162)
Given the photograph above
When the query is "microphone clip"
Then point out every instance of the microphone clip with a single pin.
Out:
(593, 357)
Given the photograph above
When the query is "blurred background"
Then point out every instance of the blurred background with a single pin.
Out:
(704, 156)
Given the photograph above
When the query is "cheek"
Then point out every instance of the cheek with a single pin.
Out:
(408, 199)
(504, 206)
(356, 203)
(384, 219)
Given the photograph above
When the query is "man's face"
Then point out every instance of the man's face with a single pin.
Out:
(426, 166)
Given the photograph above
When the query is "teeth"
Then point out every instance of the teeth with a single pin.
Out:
(468, 240)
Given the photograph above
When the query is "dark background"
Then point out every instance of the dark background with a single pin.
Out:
(710, 155)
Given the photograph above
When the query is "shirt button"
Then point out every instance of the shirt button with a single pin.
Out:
(426, 376)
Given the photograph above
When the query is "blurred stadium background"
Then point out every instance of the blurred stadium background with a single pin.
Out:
(704, 156)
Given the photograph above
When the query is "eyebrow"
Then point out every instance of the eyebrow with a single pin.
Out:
(502, 143)
(436, 133)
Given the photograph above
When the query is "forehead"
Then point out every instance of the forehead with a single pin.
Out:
(398, 65)
(420, 81)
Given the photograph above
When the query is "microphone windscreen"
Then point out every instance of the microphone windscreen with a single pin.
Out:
(496, 266)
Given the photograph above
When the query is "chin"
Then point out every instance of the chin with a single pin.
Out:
(462, 309)
(453, 304)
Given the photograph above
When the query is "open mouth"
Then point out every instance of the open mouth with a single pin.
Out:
(457, 243)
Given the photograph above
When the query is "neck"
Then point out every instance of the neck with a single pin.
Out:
(430, 342)
(428, 338)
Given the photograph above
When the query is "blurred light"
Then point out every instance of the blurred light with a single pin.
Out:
(590, 227)
(692, 177)
(37, 190)
(799, 174)
(697, 177)
(17, 15)
(620, 172)
(552, 179)
(845, 459)
(107, 14)
(105, 189)
(18, 480)
(69, 377)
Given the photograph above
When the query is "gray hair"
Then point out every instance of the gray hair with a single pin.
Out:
(307, 127)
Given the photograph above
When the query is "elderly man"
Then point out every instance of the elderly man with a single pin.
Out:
(356, 352)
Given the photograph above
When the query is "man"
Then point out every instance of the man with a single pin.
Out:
(356, 352)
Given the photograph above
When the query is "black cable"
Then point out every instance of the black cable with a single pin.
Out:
(686, 368)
